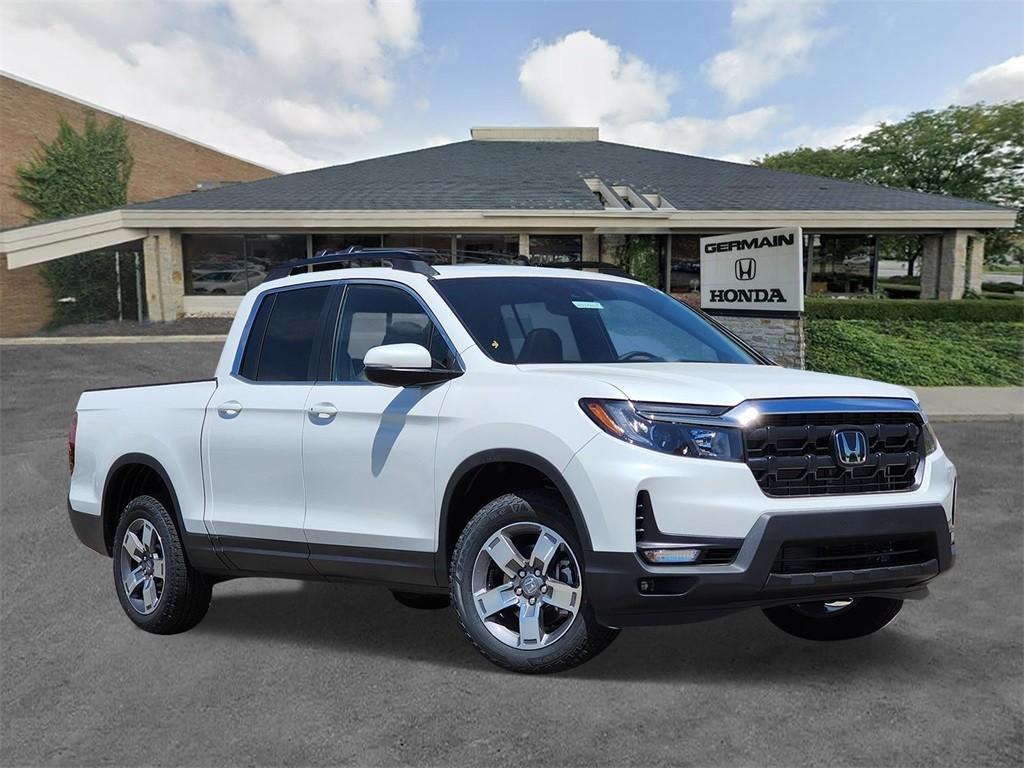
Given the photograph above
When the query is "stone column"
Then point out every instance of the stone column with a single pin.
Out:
(930, 266)
(591, 247)
(976, 264)
(524, 245)
(610, 245)
(953, 265)
(782, 339)
(165, 286)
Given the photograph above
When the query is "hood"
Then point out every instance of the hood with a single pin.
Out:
(719, 383)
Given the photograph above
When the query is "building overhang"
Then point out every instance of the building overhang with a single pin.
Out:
(46, 241)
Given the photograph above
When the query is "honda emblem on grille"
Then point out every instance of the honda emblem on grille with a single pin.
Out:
(745, 269)
(851, 447)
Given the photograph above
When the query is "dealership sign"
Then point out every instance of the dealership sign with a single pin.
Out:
(759, 271)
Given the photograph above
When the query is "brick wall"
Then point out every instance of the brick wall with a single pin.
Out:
(165, 165)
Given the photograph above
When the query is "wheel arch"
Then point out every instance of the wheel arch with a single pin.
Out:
(470, 468)
(123, 478)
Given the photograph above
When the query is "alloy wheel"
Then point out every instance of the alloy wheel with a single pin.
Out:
(526, 586)
(142, 566)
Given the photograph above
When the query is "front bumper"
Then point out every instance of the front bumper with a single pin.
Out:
(678, 594)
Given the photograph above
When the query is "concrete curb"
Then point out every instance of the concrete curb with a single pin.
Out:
(944, 418)
(52, 341)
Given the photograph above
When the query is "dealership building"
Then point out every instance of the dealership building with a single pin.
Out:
(555, 194)
(164, 164)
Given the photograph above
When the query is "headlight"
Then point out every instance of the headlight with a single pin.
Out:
(665, 429)
(931, 443)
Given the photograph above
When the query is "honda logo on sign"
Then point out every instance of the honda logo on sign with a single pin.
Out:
(746, 269)
(851, 447)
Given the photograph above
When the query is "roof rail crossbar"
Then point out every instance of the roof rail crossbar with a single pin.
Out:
(601, 267)
(403, 259)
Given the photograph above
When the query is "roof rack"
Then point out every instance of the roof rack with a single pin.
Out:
(403, 259)
(601, 267)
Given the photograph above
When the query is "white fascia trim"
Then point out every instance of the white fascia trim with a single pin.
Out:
(65, 237)
(255, 219)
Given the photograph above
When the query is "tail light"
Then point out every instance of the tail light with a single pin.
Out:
(72, 434)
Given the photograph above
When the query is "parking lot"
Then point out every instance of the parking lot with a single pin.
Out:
(308, 674)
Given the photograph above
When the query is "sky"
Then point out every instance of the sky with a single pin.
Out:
(299, 84)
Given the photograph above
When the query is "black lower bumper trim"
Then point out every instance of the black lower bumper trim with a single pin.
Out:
(679, 594)
(89, 530)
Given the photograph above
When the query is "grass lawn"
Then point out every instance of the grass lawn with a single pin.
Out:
(919, 352)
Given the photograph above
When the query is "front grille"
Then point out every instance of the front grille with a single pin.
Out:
(794, 454)
(852, 554)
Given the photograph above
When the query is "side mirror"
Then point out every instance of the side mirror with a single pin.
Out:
(404, 365)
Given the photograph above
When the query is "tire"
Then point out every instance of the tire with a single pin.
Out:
(831, 621)
(182, 595)
(522, 636)
(423, 602)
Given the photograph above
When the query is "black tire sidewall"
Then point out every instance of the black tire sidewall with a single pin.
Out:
(181, 587)
(535, 507)
(864, 617)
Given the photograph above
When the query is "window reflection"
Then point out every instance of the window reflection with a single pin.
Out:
(555, 248)
(842, 263)
(230, 265)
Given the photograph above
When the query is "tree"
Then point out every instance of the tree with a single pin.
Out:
(974, 152)
(75, 174)
(638, 255)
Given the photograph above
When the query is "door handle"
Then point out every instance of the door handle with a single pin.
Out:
(323, 411)
(230, 409)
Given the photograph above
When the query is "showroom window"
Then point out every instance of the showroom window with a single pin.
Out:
(685, 272)
(842, 263)
(440, 243)
(480, 247)
(232, 264)
(556, 248)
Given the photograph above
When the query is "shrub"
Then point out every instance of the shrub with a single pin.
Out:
(919, 352)
(980, 311)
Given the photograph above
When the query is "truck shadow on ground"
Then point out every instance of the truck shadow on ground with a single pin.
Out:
(365, 620)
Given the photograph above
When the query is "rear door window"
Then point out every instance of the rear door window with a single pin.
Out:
(284, 334)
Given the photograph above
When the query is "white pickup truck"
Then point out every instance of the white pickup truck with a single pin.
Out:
(558, 454)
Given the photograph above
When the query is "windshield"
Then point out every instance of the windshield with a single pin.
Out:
(567, 320)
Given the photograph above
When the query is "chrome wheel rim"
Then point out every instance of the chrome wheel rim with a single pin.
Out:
(142, 566)
(527, 587)
(826, 609)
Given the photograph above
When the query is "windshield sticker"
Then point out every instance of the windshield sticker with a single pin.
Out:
(587, 305)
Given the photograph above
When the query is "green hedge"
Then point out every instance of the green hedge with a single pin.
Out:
(968, 311)
(919, 353)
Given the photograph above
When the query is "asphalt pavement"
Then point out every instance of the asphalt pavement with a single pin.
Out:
(288, 673)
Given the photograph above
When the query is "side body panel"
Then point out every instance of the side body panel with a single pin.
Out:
(253, 459)
(164, 422)
(369, 468)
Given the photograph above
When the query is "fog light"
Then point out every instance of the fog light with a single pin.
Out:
(669, 556)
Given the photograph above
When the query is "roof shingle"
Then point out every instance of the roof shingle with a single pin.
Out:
(524, 175)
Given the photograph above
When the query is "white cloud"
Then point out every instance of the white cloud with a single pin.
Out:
(698, 135)
(772, 40)
(310, 119)
(348, 40)
(437, 140)
(582, 79)
(286, 84)
(1001, 82)
(835, 135)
